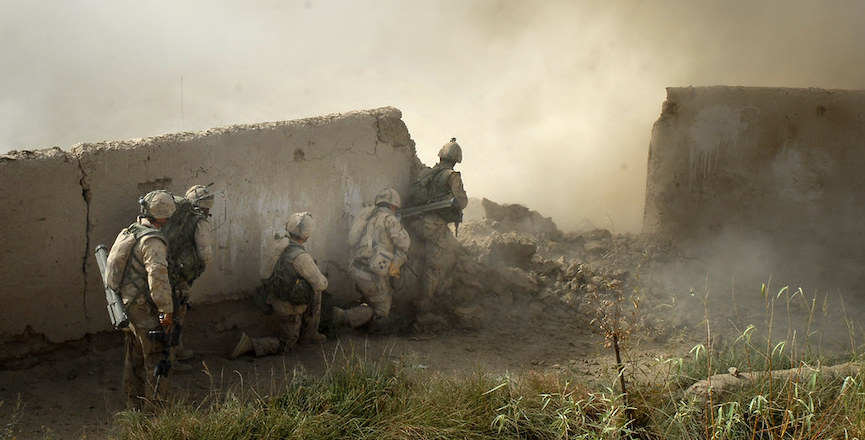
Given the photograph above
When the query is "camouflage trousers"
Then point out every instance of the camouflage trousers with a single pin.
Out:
(296, 322)
(376, 293)
(436, 249)
(141, 357)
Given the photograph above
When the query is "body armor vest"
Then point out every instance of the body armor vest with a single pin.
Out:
(135, 273)
(286, 284)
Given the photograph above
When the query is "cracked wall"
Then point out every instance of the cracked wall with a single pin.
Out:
(57, 206)
(767, 179)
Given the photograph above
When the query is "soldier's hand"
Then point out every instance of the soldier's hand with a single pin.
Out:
(165, 319)
(393, 270)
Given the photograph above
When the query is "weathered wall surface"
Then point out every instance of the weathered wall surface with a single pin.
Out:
(767, 178)
(57, 206)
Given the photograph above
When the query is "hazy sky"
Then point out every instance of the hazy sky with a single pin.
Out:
(552, 101)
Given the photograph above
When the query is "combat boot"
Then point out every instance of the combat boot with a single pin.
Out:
(429, 323)
(243, 347)
(184, 354)
(339, 317)
(177, 366)
(315, 338)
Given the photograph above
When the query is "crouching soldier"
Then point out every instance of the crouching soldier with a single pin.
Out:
(292, 295)
(379, 246)
(137, 266)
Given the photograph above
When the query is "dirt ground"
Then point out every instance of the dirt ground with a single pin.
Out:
(75, 393)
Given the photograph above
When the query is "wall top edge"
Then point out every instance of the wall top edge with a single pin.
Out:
(43, 153)
(759, 89)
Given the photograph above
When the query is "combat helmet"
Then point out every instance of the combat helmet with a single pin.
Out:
(200, 196)
(388, 196)
(158, 204)
(451, 152)
(300, 225)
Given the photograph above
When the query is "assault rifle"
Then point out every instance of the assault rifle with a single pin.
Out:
(451, 203)
(169, 338)
(115, 304)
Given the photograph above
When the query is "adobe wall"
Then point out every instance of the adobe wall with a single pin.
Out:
(57, 206)
(768, 179)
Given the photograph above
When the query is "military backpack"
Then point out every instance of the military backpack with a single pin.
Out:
(432, 186)
(184, 263)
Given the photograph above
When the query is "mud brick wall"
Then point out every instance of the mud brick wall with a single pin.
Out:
(771, 178)
(57, 206)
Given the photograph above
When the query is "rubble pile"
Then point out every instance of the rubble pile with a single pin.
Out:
(515, 262)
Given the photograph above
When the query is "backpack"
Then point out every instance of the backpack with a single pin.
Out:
(184, 262)
(432, 186)
(120, 270)
(362, 235)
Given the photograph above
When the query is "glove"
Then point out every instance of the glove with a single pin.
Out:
(165, 319)
(393, 270)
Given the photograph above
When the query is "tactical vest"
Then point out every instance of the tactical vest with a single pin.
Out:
(432, 186)
(285, 284)
(184, 263)
(135, 274)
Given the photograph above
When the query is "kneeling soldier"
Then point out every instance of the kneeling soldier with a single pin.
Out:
(292, 294)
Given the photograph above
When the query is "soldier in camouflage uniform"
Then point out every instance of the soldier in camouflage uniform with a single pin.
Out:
(435, 244)
(146, 294)
(190, 251)
(379, 247)
(293, 294)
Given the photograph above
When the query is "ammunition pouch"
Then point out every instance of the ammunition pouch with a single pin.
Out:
(379, 263)
(298, 293)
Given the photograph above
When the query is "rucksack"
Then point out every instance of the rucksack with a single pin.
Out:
(362, 235)
(432, 186)
(119, 268)
(184, 262)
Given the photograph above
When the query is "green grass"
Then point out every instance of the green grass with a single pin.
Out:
(363, 399)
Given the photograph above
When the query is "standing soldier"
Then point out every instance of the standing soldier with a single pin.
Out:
(431, 231)
(292, 294)
(379, 246)
(190, 251)
(137, 266)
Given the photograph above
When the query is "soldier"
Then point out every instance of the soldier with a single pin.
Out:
(379, 247)
(430, 230)
(146, 292)
(293, 294)
(189, 252)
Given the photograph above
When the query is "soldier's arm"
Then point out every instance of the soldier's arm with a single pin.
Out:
(455, 181)
(398, 234)
(305, 267)
(154, 252)
(204, 241)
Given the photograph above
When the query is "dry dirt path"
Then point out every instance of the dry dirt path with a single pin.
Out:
(72, 394)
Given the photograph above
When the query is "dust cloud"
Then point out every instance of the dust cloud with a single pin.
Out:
(553, 102)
